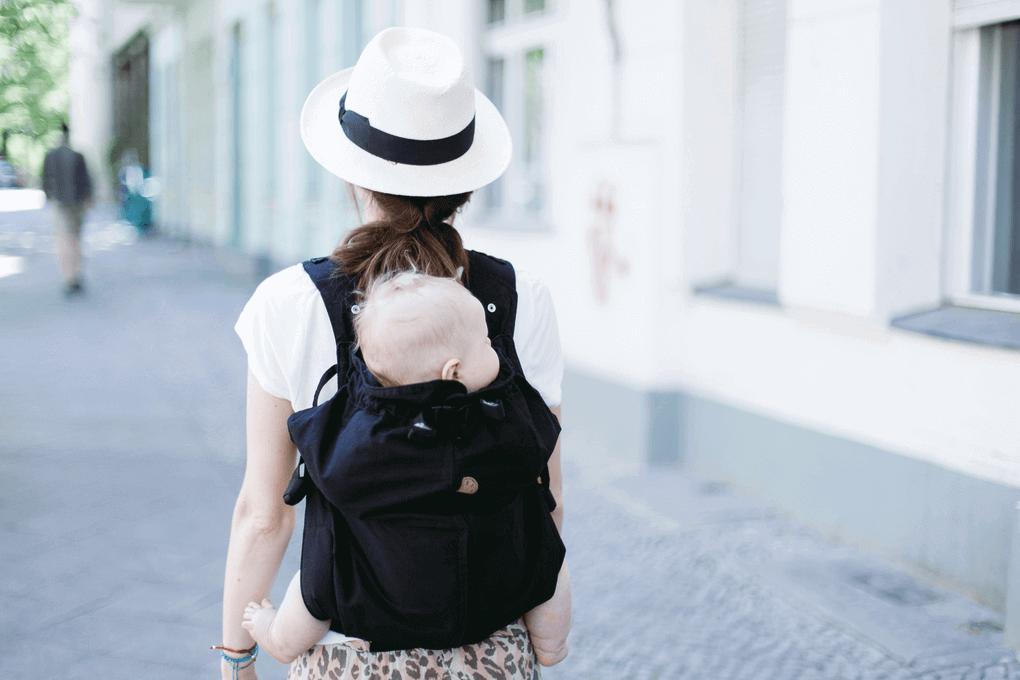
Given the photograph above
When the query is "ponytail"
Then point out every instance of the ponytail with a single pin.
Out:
(414, 233)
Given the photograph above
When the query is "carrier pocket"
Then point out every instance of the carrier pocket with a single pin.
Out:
(409, 574)
(516, 556)
(416, 559)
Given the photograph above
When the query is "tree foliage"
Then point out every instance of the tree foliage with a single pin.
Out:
(35, 56)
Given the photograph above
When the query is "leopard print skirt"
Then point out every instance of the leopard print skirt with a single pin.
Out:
(506, 655)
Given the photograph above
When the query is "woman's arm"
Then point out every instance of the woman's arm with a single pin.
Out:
(549, 623)
(556, 474)
(262, 523)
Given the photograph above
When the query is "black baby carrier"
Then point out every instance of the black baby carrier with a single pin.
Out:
(427, 508)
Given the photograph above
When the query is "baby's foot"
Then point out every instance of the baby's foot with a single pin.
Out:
(258, 621)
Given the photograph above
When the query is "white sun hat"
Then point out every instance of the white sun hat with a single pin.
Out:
(407, 119)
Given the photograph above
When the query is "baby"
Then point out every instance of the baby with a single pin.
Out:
(414, 328)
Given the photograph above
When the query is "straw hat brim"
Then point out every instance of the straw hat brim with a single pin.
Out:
(322, 135)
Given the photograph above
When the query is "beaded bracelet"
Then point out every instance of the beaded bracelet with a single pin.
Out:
(248, 658)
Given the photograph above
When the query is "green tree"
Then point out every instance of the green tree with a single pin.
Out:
(35, 57)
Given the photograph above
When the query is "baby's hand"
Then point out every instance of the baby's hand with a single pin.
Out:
(549, 623)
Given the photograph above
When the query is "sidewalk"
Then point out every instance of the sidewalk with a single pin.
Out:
(122, 451)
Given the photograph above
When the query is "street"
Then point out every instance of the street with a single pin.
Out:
(122, 451)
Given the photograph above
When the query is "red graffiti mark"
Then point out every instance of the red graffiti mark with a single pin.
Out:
(605, 260)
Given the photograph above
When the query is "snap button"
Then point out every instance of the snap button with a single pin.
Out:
(492, 307)
(468, 485)
(355, 309)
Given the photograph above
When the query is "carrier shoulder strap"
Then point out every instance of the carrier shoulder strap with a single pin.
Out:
(337, 291)
(491, 280)
(494, 282)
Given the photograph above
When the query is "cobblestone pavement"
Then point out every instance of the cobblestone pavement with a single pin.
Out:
(121, 453)
(717, 586)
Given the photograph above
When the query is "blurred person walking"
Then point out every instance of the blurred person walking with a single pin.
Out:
(67, 184)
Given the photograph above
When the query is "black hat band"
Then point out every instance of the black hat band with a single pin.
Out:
(400, 149)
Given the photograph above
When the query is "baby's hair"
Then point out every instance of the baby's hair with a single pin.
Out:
(410, 338)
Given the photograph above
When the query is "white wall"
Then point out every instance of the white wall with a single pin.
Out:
(166, 106)
(867, 110)
(914, 82)
(288, 227)
(867, 102)
(198, 94)
(830, 169)
(127, 18)
(632, 156)
(952, 404)
(457, 20)
(863, 169)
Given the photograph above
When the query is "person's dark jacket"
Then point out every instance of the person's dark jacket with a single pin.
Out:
(65, 177)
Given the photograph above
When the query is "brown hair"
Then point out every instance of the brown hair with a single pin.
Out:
(413, 234)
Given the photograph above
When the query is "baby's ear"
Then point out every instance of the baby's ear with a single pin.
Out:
(451, 369)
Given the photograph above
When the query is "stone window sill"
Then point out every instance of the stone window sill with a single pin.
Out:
(967, 324)
(729, 291)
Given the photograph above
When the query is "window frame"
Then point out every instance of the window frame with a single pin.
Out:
(510, 40)
(977, 13)
(962, 230)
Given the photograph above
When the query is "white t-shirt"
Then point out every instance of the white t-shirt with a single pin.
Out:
(286, 332)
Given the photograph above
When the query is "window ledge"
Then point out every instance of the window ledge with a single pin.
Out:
(968, 324)
(729, 291)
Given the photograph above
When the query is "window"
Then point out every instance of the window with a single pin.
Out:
(497, 11)
(759, 138)
(748, 244)
(982, 251)
(236, 125)
(995, 265)
(313, 58)
(352, 31)
(495, 67)
(271, 100)
(515, 44)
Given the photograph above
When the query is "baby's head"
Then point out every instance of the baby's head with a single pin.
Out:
(414, 328)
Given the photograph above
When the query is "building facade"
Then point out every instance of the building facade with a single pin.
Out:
(780, 234)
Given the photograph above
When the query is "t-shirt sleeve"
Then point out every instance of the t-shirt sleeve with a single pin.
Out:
(255, 327)
(286, 332)
(537, 338)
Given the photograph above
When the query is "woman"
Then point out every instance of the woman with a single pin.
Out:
(409, 131)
